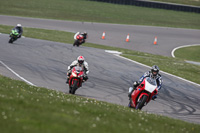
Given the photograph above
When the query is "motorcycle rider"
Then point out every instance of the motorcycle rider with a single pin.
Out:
(20, 30)
(84, 34)
(154, 73)
(81, 62)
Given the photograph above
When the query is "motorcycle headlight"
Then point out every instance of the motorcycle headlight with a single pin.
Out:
(74, 74)
(80, 76)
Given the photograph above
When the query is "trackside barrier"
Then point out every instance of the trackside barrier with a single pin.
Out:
(155, 4)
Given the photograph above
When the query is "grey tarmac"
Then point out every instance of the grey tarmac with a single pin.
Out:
(44, 63)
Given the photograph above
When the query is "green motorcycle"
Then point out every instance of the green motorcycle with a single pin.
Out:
(13, 35)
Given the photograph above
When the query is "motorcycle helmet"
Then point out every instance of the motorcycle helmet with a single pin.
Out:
(80, 60)
(85, 32)
(19, 25)
(154, 70)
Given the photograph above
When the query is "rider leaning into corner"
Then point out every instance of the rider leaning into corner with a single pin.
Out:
(20, 30)
(154, 73)
(84, 34)
(79, 62)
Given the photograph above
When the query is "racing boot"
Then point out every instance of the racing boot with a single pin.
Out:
(154, 97)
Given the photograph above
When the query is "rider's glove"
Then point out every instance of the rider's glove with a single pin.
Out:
(135, 84)
(85, 77)
(69, 71)
(154, 97)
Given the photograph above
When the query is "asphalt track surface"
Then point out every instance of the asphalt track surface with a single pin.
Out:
(141, 37)
(44, 63)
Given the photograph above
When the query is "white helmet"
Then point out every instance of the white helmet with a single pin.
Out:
(80, 60)
(19, 25)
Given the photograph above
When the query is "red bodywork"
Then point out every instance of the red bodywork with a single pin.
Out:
(77, 75)
(139, 92)
(80, 38)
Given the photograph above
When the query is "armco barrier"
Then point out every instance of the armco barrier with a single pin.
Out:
(153, 4)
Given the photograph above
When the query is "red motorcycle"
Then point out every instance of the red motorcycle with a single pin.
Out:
(79, 39)
(75, 79)
(142, 95)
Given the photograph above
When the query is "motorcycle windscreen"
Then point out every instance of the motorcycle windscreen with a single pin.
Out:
(150, 84)
(78, 69)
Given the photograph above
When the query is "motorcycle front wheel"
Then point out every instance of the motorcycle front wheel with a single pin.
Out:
(74, 87)
(141, 103)
(76, 43)
(11, 40)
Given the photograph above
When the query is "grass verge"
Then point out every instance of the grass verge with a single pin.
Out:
(24, 108)
(189, 53)
(176, 66)
(91, 11)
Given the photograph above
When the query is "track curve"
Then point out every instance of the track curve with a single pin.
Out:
(141, 37)
(172, 53)
(44, 63)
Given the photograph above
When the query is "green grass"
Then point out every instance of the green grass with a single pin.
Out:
(177, 67)
(91, 11)
(24, 108)
(189, 53)
(51, 35)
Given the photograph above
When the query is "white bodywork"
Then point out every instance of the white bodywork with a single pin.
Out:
(76, 35)
(149, 87)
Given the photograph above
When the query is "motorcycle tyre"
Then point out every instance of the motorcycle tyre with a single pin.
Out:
(70, 90)
(141, 103)
(10, 41)
(76, 43)
(74, 87)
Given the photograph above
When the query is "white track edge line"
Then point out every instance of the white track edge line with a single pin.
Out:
(172, 53)
(160, 71)
(17, 74)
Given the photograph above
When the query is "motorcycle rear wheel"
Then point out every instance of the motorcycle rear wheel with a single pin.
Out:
(70, 90)
(141, 103)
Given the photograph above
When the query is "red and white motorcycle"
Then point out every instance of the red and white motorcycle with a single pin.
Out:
(79, 39)
(76, 79)
(143, 94)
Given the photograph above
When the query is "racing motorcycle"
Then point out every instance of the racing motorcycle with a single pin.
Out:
(76, 79)
(79, 39)
(13, 35)
(143, 94)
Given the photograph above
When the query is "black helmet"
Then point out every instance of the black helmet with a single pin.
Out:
(155, 70)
